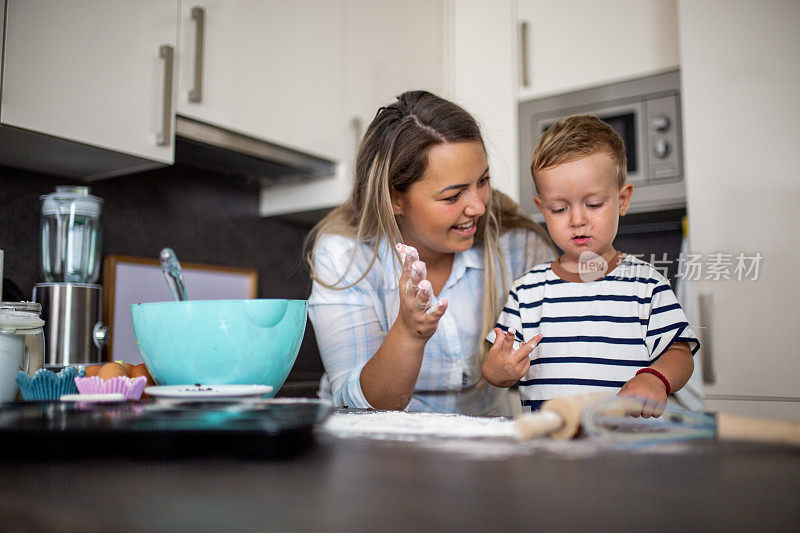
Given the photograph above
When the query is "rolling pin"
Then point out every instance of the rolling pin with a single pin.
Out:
(731, 427)
(560, 418)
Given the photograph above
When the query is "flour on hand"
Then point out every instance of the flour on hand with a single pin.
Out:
(419, 273)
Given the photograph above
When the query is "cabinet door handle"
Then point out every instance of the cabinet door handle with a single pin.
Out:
(357, 127)
(199, 16)
(356, 124)
(704, 312)
(167, 53)
(524, 29)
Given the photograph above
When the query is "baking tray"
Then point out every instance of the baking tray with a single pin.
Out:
(170, 429)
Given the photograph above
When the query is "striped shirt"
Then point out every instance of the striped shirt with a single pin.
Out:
(350, 324)
(595, 335)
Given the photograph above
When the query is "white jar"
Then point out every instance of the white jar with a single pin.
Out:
(21, 344)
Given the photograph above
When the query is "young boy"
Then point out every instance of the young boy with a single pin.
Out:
(598, 320)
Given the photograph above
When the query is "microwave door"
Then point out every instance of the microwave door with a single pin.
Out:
(629, 122)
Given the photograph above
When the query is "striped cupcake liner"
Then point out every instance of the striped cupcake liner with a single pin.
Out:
(48, 385)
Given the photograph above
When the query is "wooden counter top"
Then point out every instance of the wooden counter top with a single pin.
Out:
(360, 484)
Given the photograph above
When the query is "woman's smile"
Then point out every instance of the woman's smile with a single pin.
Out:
(467, 229)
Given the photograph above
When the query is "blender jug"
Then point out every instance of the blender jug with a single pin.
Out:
(70, 238)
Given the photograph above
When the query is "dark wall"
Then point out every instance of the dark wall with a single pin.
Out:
(655, 237)
(205, 217)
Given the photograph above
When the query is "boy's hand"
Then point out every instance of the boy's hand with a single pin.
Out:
(650, 390)
(503, 366)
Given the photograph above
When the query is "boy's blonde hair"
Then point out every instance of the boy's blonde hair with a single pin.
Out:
(575, 137)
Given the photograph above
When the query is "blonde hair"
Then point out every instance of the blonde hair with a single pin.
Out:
(575, 137)
(392, 156)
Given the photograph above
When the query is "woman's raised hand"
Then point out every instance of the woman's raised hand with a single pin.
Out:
(420, 311)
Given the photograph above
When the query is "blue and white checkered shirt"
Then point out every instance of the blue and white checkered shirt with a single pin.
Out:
(350, 324)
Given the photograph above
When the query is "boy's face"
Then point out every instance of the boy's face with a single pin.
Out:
(582, 205)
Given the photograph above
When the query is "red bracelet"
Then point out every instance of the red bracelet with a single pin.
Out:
(659, 375)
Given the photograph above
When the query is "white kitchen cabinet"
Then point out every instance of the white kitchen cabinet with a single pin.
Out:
(390, 46)
(88, 74)
(481, 72)
(273, 70)
(385, 60)
(576, 44)
(740, 73)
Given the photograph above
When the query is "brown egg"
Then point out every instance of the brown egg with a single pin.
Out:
(91, 370)
(127, 366)
(111, 370)
(141, 370)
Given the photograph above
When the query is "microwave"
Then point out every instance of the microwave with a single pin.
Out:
(645, 112)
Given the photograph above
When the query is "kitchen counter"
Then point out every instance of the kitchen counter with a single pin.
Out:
(360, 483)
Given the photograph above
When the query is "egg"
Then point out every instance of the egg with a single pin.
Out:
(141, 370)
(111, 370)
(127, 366)
(91, 370)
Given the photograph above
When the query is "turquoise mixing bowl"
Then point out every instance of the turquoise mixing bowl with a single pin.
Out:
(220, 342)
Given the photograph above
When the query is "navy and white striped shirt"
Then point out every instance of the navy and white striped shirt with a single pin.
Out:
(596, 334)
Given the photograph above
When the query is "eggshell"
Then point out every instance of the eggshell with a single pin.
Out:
(111, 370)
(92, 370)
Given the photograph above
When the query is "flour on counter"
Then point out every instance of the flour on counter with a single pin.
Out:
(457, 436)
(469, 437)
(388, 424)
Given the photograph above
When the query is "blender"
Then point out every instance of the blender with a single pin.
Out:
(72, 304)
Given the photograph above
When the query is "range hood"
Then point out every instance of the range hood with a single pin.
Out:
(201, 145)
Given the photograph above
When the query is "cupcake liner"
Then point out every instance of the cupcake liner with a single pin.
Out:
(48, 385)
(130, 388)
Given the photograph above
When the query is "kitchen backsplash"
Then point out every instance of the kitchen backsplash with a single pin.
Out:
(204, 217)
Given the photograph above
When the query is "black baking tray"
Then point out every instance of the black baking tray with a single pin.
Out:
(159, 429)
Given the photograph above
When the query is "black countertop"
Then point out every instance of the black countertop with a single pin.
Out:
(364, 484)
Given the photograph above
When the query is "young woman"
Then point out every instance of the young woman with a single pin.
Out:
(421, 179)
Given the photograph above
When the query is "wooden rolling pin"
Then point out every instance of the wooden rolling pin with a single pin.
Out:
(731, 427)
(560, 418)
